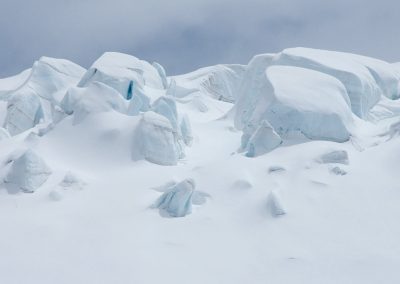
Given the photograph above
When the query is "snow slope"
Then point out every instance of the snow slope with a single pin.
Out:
(284, 182)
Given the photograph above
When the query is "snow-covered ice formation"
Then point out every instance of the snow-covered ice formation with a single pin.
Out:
(156, 140)
(177, 201)
(28, 172)
(220, 82)
(123, 72)
(96, 97)
(294, 99)
(365, 79)
(4, 134)
(263, 140)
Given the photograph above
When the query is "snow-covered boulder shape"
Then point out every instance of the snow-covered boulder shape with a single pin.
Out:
(186, 130)
(263, 140)
(364, 78)
(276, 205)
(177, 201)
(28, 172)
(162, 74)
(220, 81)
(24, 111)
(122, 72)
(294, 99)
(95, 98)
(167, 108)
(4, 134)
(156, 140)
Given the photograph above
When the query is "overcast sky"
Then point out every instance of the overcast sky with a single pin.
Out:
(183, 35)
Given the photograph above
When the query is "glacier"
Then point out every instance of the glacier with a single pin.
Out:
(269, 165)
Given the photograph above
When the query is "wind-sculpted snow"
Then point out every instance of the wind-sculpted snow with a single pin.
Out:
(272, 202)
(96, 97)
(365, 79)
(28, 172)
(9, 84)
(294, 99)
(123, 72)
(220, 82)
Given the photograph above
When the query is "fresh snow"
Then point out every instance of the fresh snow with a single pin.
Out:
(284, 170)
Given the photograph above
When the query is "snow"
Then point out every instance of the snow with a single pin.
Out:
(28, 172)
(156, 140)
(24, 111)
(112, 197)
(337, 156)
(220, 82)
(4, 133)
(96, 97)
(177, 201)
(365, 79)
(11, 83)
(276, 204)
(263, 140)
(122, 72)
(186, 130)
(294, 99)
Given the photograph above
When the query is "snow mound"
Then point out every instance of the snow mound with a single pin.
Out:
(263, 140)
(28, 172)
(177, 201)
(156, 140)
(338, 171)
(365, 79)
(122, 72)
(275, 204)
(294, 99)
(220, 81)
(242, 184)
(55, 195)
(71, 180)
(335, 157)
(95, 98)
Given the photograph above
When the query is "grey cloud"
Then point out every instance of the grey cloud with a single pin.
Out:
(184, 35)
